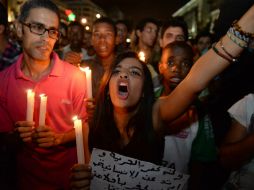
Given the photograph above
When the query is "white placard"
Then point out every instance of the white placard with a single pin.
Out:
(116, 172)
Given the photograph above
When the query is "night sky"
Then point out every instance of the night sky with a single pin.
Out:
(138, 9)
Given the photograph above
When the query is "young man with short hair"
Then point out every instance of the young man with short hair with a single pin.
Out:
(190, 140)
(47, 152)
(122, 27)
(103, 42)
(146, 33)
(174, 29)
(74, 53)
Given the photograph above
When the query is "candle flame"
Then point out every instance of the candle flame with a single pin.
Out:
(75, 118)
(42, 95)
(142, 56)
(84, 69)
(30, 92)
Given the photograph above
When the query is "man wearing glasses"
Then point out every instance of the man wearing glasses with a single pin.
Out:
(46, 151)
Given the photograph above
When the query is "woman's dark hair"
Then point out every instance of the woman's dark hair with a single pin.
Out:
(32, 4)
(104, 132)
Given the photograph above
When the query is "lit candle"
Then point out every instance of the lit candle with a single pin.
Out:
(142, 56)
(88, 72)
(43, 107)
(29, 105)
(79, 140)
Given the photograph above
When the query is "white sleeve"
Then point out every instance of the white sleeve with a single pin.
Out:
(242, 110)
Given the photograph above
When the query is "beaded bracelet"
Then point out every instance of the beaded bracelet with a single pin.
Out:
(244, 33)
(220, 54)
(237, 41)
(234, 59)
(238, 34)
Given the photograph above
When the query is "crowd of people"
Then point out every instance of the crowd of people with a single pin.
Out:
(169, 100)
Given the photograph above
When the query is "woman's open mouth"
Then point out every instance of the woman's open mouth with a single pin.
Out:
(123, 90)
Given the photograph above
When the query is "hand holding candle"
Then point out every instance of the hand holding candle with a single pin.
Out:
(79, 140)
(88, 72)
(43, 107)
(30, 105)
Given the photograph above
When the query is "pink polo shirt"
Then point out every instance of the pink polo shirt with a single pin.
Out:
(44, 168)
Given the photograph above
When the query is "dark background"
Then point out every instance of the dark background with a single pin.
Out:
(138, 9)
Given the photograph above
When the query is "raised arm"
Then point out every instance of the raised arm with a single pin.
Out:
(205, 69)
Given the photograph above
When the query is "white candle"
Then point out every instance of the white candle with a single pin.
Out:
(43, 108)
(142, 56)
(79, 140)
(29, 105)
(88, 72)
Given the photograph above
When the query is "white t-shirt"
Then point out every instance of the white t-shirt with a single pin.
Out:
(177, 149)
(242, 111)
(83, 53)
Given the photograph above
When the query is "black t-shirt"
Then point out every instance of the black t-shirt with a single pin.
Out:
(144, 145)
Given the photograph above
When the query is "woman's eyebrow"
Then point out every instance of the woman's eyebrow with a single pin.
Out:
(135, 67)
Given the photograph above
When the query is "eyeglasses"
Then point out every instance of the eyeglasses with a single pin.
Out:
(40, 29)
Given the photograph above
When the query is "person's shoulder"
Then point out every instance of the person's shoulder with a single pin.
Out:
(83, 50)
(61, 64)
(246, 104)
(72, 72)
(243, 110)
(69, 67)
(66, 49)
(9, 69)
(6, 75)
(249, 98)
